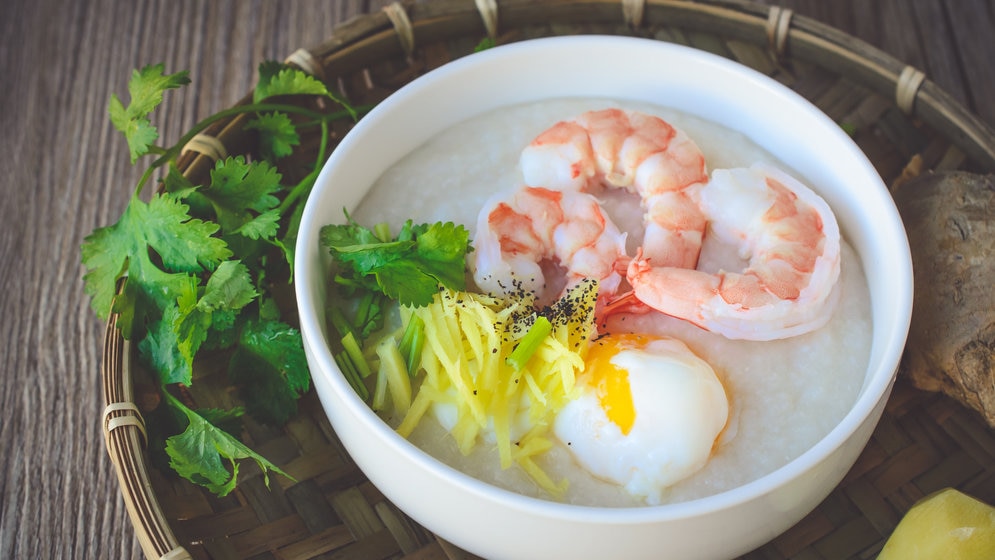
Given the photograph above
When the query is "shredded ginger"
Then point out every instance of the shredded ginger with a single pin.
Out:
(468, 338)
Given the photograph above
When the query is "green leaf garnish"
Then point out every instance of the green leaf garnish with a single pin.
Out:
(198, 453)
(198, 266)
(239, 190)
(409, 268)
(277, 134)
(277, 79)
(184, 246)
(146, 89)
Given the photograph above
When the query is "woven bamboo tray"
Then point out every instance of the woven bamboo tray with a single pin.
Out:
(924, 441)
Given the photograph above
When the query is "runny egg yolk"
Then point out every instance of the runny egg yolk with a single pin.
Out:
(610, 381)
(648, 415)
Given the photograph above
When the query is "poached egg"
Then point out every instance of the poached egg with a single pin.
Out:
(648, 415)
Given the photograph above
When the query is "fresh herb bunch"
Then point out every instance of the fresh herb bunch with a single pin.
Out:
(374, 269)
(195, 268)
(408, 268)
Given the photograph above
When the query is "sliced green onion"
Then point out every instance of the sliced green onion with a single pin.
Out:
(356, 355)
(382, 231)
(348, 282)
(529, 343)
(392, 367)
(340, 322)
(412, 342)
(380, 390)
(352, 376)
(369, 314)
(363, 308)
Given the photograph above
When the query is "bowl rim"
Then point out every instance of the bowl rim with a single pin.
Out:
(877, 382)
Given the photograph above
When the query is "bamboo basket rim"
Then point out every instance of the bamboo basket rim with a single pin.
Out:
(401, 29)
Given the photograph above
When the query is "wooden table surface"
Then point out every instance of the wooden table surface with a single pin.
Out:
(65, 171)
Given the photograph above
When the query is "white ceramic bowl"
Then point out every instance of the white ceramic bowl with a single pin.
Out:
(496, 523)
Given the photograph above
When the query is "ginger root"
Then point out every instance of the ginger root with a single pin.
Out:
(950, 221)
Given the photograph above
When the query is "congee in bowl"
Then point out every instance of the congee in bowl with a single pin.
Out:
(658, 304)
(783, 395)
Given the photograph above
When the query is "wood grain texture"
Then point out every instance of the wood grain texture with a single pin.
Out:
(65, 171)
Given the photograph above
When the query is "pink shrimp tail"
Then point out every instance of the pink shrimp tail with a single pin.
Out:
(621, 265)
(622, 303)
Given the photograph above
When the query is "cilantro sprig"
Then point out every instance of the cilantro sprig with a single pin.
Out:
(408, 268)
(146, 89)
(374, 268)
(194, 268)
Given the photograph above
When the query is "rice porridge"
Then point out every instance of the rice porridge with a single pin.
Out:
(784, 395)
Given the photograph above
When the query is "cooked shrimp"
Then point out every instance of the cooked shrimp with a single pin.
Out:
(519, 238)
(634, 151)
(791, 242)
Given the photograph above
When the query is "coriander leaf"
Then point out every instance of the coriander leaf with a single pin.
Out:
(484, 44)
(130, 304)
(442, 250)
(279, 79)
(105, 263)
(159, 348)
(263, 226)
(224, 320)
(198, 453)
(264, 392)
(138, 132)
(229, 420)
(280, 346)
(345, 235)
(239, 188)
(229, 287)
(406, 282)
(173, 342)
(183, 245)
(277, 134)
(408, 268)
(223, 332)
(190, 325)
(366, 259)
(145, 88)
(270, 369)
(148, 84)
(173, 339)
(176, 184)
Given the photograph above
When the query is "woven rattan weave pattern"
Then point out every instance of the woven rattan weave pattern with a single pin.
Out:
(333, 508)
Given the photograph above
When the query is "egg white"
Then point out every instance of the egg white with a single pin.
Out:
(680, 408)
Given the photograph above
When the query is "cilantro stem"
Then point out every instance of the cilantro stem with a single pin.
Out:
(529, 343)
(167, 155)
(304, 187)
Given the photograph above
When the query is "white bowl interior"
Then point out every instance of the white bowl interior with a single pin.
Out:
(637, 70)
